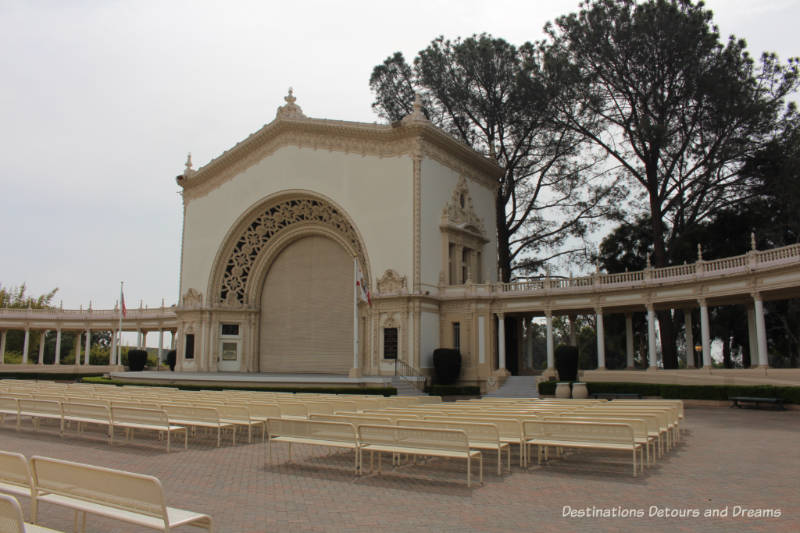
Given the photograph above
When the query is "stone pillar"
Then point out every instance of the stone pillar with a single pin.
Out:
(751, 336)
(57, 358)
(3, 339)
(551, 358)
(41, 347)
(687, 324)
(629, 340)
(761, 332)
(601, 339)
(174, 333)
(88, 346)
(573, 335)
(705, 334)
(160, 347)
(78, 349)
(651, 338)
(501, 342)
(25, 344)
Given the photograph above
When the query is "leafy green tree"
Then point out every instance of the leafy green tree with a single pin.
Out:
(652, 85)
(494, 97)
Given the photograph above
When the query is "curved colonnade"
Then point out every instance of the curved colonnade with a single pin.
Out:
(748, 280)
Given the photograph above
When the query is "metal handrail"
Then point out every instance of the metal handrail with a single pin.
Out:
(404, 370)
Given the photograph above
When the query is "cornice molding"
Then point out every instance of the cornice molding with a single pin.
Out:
(413, 139)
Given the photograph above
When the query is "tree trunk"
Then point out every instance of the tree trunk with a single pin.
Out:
(503, 247)
(669, 354)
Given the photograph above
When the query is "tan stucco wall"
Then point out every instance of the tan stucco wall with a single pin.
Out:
(376, 193)
(437, 185)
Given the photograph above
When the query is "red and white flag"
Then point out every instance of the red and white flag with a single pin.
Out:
(361, 286)
(122, 301)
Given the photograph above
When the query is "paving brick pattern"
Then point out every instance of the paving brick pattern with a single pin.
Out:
(728, 458)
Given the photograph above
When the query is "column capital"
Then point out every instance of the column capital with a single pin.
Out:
(702, 302)
(756, 296)
(501, 315)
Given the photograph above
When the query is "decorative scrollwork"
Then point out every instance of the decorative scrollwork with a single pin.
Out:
(274, 219)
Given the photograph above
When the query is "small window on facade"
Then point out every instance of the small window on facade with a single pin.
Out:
(457, 335)
(230, 330)
(390, 343)
(188, 349)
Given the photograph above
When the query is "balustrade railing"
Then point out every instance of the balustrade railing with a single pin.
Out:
(406, 372)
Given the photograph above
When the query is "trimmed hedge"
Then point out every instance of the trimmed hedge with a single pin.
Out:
(385, 391)
(454, 390)
(47, 376)
(685, 392)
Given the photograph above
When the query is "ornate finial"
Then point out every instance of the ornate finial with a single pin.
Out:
(416, 115)
(699, 252)
(290, 110)
(753, 240)
(188, 171)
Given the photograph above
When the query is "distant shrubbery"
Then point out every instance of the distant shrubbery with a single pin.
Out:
(687, 392)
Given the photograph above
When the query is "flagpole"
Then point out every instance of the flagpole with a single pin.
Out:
(118, 355)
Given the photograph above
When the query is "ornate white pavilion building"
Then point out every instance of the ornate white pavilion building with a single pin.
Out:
(273, 226)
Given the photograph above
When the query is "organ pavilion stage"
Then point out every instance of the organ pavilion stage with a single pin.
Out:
(278, 231)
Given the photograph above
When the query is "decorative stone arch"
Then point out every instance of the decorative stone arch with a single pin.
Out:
(264, 230)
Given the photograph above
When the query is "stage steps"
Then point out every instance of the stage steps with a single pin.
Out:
(516, 387)
(404, 388)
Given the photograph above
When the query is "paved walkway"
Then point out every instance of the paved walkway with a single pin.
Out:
(729, 459)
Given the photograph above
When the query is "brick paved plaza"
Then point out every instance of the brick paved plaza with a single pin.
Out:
(728, 458)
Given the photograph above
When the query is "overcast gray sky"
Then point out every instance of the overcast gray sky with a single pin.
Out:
(100, 101)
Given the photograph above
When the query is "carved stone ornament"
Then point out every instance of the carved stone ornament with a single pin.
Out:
(460, 212)
(416, 115)
(192, 299)
(390, 322)
(391, 283)
(290, 110)
(267, 223)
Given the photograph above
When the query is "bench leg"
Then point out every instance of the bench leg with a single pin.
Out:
(469, 463)
(168, 434)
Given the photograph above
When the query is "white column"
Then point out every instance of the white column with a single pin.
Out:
(57, 359)
(705, 334)
(160, 347)
(751, 336)
(761, 332)
(628, 340)
(651, 338)
(41, 347)
(173, 333)
(501, 341)
(3, 346)
(78, 348)
(25, 344)
(88, 346)
(410, 338)
(551, 358)
(112, 356)
(687, 324)
(601, 339)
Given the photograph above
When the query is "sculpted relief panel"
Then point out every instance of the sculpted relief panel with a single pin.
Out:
(271, 221)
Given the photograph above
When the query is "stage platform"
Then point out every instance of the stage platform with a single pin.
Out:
(240, 379)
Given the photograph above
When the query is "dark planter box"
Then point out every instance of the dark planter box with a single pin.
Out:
(447, 364)
(137, 359)
(567, 363)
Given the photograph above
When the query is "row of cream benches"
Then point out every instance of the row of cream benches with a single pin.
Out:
(455, 439)
(85, 489)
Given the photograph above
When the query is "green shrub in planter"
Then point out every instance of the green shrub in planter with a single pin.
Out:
(567, 362)
(136, 360)
(171, 359)
(447, 364)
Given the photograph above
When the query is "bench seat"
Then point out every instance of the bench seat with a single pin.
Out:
(126, 496)
(313, 433)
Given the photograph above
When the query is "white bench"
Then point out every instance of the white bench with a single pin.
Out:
(85, 413)
(448, 443)
(205, 417)
(38, 410)
(125, 496)
(481, 436)
(132, 418)
(15, 476)
(594, 435)
(312, 432)
(11, 519)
